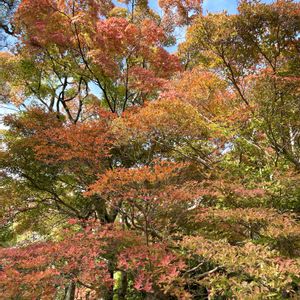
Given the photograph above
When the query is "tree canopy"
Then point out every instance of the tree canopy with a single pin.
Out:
(129, 172)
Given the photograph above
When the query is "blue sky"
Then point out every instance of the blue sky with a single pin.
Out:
(220, 5)
(215, 5)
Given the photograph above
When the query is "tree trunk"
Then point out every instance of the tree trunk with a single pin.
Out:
(122, 289)
(70, 292)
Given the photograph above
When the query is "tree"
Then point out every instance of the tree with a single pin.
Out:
(75, 48)
(256, 50)
(129, 174)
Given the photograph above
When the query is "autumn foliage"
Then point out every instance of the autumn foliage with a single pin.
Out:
(129, 172)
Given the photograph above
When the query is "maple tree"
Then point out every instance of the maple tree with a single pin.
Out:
(256, 52)
(128, 172)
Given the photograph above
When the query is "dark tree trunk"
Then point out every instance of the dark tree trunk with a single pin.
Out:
(122, 290)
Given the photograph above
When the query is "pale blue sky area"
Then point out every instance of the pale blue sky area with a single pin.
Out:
(220, 5)
(215, 5)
